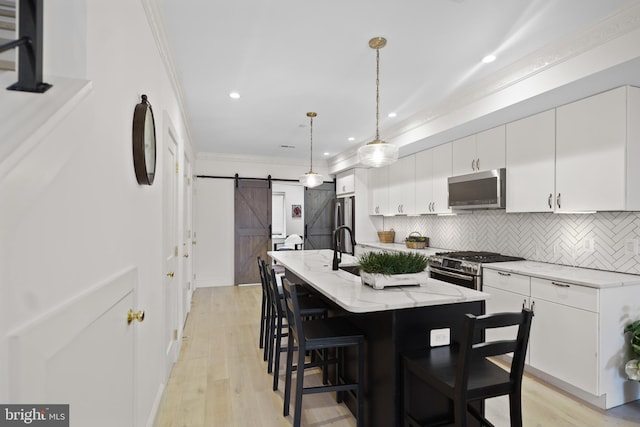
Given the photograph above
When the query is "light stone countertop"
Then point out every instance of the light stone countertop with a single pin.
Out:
(348, 292)
(576, 275)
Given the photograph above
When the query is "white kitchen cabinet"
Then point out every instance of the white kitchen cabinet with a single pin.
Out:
(564, 339)
(576, 341)
(597, 148)
(402, 186)
(379, 191)
(424, 181)
(530, 163)
(479, 152)
(345, 183)
(509, 293)
(433, 168)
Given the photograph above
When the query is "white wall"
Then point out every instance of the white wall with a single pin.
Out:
(92, 219)
(214, 222)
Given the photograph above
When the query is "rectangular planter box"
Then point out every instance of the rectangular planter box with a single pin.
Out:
(381, 281)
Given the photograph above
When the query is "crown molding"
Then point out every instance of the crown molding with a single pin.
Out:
(243, 158)
(157, 26)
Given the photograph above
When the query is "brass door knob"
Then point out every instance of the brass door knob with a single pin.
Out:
(170, 274)
(131, 316)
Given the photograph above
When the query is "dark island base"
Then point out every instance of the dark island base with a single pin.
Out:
(391, 333)
(388, 335)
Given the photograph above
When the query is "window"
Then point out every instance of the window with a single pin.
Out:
(278, 218)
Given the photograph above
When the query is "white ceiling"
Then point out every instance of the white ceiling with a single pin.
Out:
(287, 57)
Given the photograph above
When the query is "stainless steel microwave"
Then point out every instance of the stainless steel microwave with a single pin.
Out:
(480, 190)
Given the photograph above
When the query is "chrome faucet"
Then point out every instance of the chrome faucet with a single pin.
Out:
(337, 250)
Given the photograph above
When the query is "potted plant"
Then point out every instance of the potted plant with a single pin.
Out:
(632, 368)
(416, 241)
(382, 269)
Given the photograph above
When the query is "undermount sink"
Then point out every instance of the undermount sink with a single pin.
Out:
(352, 269)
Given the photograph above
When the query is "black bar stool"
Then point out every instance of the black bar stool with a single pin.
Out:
(462, 373)
(320, 334)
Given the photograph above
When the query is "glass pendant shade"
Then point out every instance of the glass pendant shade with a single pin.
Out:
(377, 153)
(311, 179)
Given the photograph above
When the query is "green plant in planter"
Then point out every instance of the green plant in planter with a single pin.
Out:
(632, 368)
(389, 263)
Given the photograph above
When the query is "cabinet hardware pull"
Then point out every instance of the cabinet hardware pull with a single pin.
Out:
(524, 303)
(433, 206)
(549, 200)
(558, 201)
(533, 306)
(473, 164)
(562, 285)
(502, 273)
(477, 164)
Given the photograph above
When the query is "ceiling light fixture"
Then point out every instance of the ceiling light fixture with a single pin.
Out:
(311, 179)
(234, 95)
(377, 153)
(488, 59)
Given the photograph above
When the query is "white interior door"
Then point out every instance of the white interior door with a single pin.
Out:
(82, 354)
(170, 251)
(187, 240)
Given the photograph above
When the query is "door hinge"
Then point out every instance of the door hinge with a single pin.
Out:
(188, 182)
(175, 251)
(177, 167)
(175, 335)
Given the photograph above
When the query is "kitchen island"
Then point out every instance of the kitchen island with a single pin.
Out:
(394, 320)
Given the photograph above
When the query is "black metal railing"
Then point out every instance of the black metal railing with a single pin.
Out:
(29, 43)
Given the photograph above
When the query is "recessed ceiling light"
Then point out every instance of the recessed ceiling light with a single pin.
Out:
(326, 153)
(392, 114)
(234, 95)
(489, 58)
(351, 138)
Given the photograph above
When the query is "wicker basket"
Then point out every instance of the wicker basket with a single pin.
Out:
(386, 236)
(417, 245)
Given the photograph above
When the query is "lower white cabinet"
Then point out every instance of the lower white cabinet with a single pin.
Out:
(576, 339)
(564, 338)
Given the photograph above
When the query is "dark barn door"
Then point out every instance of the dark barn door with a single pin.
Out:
(318, 216)
(252, 227)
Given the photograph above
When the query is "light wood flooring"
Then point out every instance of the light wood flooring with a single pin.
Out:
(220, 379)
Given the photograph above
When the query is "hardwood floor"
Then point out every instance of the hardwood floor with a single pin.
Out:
(220, 379)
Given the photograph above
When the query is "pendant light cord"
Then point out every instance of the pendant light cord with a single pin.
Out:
(377, 93)
(311, 151)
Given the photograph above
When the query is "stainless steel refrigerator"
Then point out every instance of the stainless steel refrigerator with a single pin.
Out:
(344, 215)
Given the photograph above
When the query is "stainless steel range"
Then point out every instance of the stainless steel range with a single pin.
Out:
(464, 268)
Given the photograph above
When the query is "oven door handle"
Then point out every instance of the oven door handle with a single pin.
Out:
(454, 275)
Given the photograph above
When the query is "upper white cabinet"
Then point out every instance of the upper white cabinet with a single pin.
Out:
(530, 160)
(479, 152)
(345, 183)
(433, 167)
(597, 150)
(379, 191)
(402, 186)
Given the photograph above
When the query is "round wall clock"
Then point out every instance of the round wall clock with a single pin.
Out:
(144, 142)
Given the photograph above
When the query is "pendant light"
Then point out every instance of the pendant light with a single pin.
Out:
(311, 179)
(377, 153)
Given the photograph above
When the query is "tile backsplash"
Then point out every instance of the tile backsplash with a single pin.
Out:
(604, 240)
